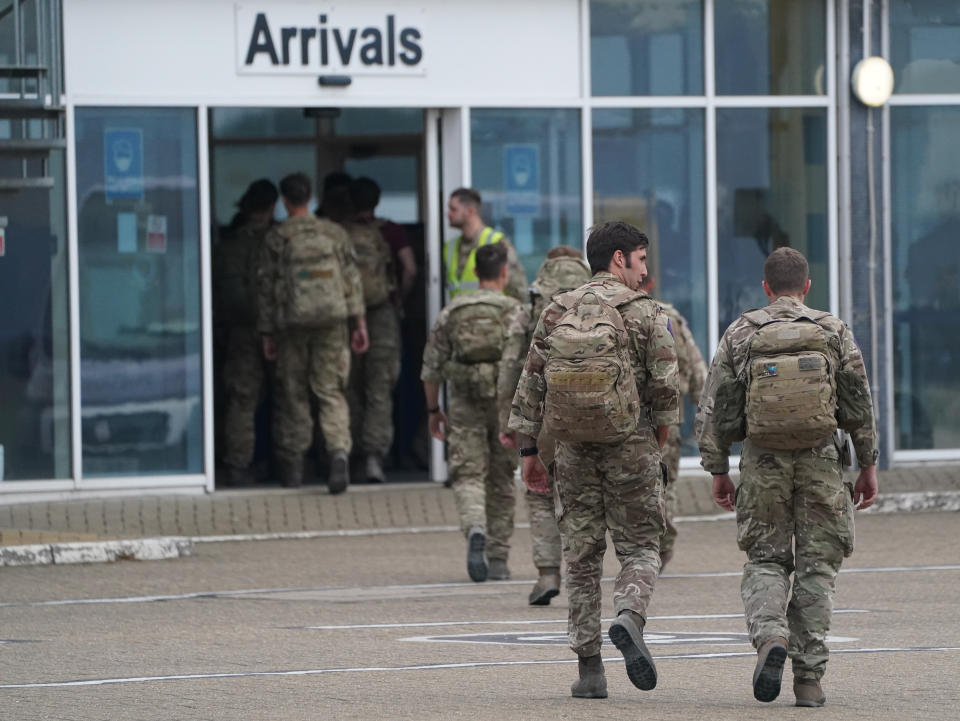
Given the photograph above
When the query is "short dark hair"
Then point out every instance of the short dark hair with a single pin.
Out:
(365, 194)
(296, 189)
(607, 238)
(334, 180)
(564, 251)
(786, 271)
(468, 196)
(490, 261)
(259, 196)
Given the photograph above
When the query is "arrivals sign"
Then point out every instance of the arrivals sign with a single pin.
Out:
(327, 39)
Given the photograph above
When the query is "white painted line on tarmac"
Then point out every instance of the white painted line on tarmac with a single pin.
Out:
(528, 622)
(419, 667)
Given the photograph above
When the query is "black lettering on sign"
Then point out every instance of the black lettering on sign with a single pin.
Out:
(391, 42)
(258, 45)
(345, 49)
(286, 35)
(324, 54)
(372, 52)
(306, 35)
(413, 53)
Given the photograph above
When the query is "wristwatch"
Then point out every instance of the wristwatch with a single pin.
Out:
(433, 410)
(531, 451)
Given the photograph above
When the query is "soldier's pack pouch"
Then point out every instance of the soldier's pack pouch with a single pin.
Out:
(729, 411)
(476, 381)
(854, 409)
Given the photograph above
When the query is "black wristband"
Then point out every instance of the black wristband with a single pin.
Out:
(433, 410)
(531, 451)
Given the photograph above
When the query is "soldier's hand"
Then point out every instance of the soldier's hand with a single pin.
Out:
(535, 475)
(359, 341)
(438, 425)
(269, 347)
(724, 491)
(663, 433)
(866, 488)
(508, 440)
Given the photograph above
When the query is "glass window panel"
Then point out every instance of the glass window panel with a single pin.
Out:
(34, 330)
(925, 46)
(379, 121)
(770, 47)
(526, 164)
(261, 122)
(925, 215)
(139, 294)
(236, 166)
(397, 176)
(648, 169)
(771, 192)
(646, 47)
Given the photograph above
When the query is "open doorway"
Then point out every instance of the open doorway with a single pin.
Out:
(384, 144)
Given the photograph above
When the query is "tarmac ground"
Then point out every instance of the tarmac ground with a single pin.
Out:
(372, 626)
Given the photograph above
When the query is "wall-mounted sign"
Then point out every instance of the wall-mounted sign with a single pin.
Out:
(123, 163)
(318, 38)
(521, 179)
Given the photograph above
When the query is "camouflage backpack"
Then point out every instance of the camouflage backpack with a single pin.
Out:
(476, 337)
(313, 288)
(790, 379)
(555, 276)
(591, 388)
(373, 261)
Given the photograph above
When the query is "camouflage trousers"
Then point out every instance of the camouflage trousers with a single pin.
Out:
(615, 488)
(311, 361)
(482, 473)
(671, 459)
(244, 373)
(372, 378)
(542, 511)
(790, 499)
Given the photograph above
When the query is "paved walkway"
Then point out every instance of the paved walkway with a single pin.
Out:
(271, 511)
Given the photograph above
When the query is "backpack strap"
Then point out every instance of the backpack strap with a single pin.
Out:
(758, 316)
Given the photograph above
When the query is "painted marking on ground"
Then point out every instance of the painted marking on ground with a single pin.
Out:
(560, 638)
(423, 667)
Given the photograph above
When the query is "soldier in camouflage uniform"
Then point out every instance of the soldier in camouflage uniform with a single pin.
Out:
(374, 374)
(606, 486)
(308, 290)
(693, 374)
(794, 510)
(563, 270)
(235, 296)
(464, 349)
(459, 255)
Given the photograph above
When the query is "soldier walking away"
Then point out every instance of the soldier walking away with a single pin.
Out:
(785, 378)
(601, 379)
(464, 349)
(564, 269)
(373, 374)
(235, 294)
(309, 292)
(460, 254)
(693, 374)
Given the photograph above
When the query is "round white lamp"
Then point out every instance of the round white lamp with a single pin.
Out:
(872, 81)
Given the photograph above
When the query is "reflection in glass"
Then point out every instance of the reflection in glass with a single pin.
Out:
(770, 47)
(34, 335)
(925, 46)
(771, 192)
(925, 218)
(139, 294)
(526, 164)
(398, 177)
(646, 47)
(378, 121)
(260, 122)
(648, 170)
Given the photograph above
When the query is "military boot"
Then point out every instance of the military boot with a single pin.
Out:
(476, 559)
(374, 469)
(339, 477)
(547, 586)
(626, 633)
(808, 692)
(498, 570)
(290, 472)
(593, 682)
(240, 477)
(767, 674)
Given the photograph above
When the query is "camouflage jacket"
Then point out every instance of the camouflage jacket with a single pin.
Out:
(270, 270)
(235, 274)
(652, 353)
(730, 357)
(690, 362)
(516, 275)
(439, 349)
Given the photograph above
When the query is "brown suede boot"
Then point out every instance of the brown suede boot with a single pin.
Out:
(769, 669)
(547, 586)
(808, 692)
(593, 682)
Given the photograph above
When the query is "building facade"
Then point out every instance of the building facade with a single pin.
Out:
(723, 128)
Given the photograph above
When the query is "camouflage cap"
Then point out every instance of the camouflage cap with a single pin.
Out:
(560, 274)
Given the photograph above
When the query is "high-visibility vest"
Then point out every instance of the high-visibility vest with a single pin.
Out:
(468, 279)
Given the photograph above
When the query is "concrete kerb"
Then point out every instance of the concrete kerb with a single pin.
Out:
(140, 549)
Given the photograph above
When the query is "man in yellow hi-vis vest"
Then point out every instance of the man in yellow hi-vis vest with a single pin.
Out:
(460, 255)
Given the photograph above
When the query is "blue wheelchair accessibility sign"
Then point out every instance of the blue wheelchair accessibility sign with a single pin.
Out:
(521, 181)
(123, 163)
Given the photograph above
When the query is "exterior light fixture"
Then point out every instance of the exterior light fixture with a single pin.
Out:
(872, 81)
